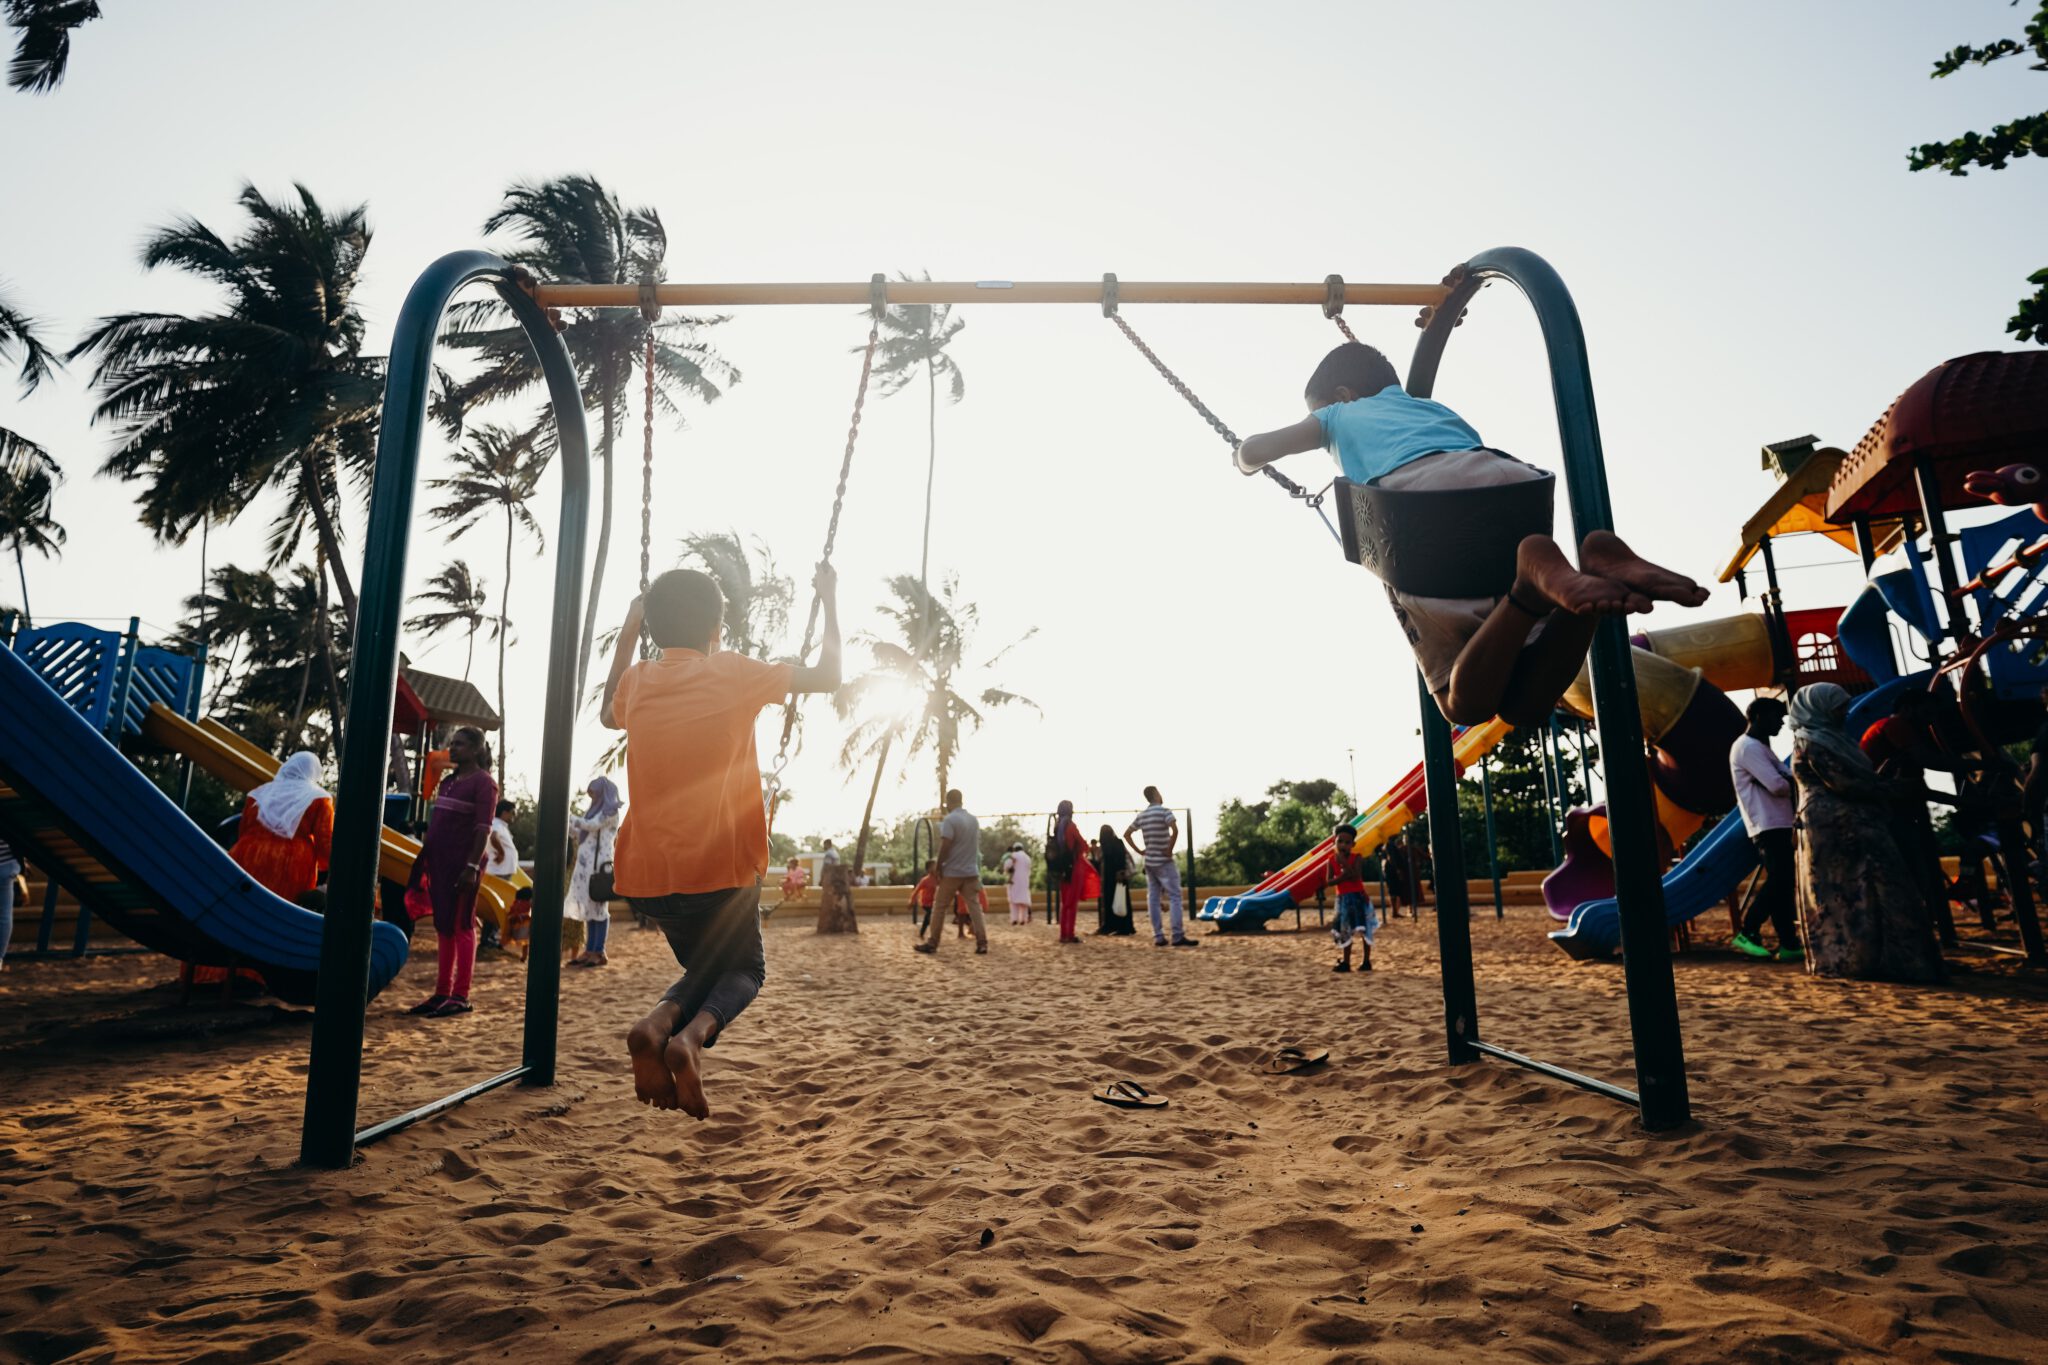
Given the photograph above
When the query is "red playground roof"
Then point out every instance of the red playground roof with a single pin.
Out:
(1975, 412)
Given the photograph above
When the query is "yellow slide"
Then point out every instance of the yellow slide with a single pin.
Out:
(243, 766)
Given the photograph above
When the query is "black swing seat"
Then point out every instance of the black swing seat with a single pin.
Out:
(1448, 542)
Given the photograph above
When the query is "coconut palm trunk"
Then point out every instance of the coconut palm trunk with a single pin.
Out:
(330, 544)
(325, 644)
(21, 568)
(867, 815)
(504, 629)
(604, 544)
(290, 741)
(931, 466)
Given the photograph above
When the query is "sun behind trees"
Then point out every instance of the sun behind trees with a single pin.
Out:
(917, 687)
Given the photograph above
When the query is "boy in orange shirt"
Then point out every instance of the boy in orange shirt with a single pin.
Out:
(694, 845)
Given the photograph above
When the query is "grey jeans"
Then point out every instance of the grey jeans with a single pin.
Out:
(1162, 883)
(716, 936)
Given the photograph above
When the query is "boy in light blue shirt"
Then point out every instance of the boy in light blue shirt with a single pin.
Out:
(1510, 655)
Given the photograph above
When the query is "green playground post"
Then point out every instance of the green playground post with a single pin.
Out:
(334, 1074)
(1453, 907)
(1638, 876)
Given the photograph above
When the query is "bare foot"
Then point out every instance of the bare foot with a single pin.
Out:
(653, 1082)
(1542, 570)
(684, 1061)
(1605, 553)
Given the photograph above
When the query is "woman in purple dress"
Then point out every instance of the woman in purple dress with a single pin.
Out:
(450, 864)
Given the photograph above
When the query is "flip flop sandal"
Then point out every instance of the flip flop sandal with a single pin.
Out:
(429, 1005)
(1130, 1095)
(451, 1007)
(1289, 1060)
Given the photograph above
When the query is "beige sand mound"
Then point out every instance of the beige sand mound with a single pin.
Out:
(904, 1162)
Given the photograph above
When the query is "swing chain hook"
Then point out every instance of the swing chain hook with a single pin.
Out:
(1333, 305)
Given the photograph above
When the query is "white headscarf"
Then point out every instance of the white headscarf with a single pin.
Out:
(282, 802)
(1820, 716)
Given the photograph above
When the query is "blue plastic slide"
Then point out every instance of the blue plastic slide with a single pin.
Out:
(1717, 864)
(79, 810)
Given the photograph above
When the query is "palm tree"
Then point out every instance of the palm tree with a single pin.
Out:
(20, 456)
(43, 49)
(757, 598)
(272, 391)
(498, 469)
(459, 596)
(914, 341)
(25, 523)
(29, 474)
(915, 689)
(573, 229)
(271, 625)
(227, 616)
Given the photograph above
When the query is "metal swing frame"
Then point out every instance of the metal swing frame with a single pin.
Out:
(334, 1077)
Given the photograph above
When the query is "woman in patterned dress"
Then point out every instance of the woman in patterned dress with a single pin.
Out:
(1861, 911)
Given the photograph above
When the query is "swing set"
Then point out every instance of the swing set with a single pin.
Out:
(329, 1136)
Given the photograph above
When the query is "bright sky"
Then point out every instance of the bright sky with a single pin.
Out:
(1723, 188)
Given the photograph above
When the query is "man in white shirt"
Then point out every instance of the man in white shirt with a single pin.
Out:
(1763, 793)
(501, 859)
(501, 853)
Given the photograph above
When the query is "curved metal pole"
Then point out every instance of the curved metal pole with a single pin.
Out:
(1638, 874)
(334, 1074)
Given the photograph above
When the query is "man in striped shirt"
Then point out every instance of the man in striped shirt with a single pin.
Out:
(1162, 877)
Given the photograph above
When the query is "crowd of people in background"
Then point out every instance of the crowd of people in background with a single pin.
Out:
(1852, 880)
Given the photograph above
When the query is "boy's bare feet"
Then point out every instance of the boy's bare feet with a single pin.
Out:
(1606, 554)
(1542, 571)
(684, 1057)
(653, 1082)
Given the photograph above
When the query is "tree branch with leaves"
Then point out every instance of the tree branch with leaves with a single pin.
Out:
(2006, 142)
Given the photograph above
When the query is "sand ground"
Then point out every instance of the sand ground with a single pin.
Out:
(904, 1163)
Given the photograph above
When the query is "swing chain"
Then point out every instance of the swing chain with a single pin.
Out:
(647, 465)
(879, 285)
(1293, 489)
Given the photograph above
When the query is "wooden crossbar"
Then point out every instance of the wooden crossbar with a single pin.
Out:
(706, 295)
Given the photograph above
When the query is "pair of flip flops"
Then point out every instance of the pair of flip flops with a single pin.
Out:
(1287, 1061)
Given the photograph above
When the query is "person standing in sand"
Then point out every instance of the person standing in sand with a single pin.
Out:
(694, 846)
(1763, 793)
(1066, 865)
(596, 833)
(959, 874)
(451, 864)
(1858, 902)
(1017, 878)
(1162, 875)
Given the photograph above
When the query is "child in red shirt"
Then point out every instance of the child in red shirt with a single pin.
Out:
(923, 894)
(1346, 872)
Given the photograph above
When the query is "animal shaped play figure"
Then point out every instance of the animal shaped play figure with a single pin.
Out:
(2014, 485)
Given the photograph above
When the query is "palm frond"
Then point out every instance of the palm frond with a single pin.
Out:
(42, 49)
